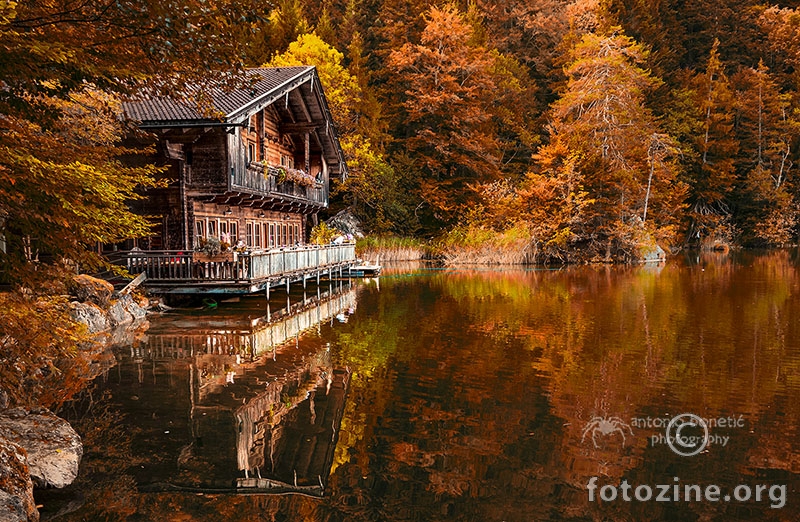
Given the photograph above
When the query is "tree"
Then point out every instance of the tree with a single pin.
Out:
(606, 142)
(782, 29)
(766, 130)
(341, 89)
(62, 185)
(462, 117)
(372, 190)
(702, 119)
(287, 22)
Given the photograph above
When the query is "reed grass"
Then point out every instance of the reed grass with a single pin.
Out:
(391, 249)
(474, 245)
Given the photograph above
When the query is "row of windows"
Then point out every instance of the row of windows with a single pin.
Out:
(286, 160)
(257, 235)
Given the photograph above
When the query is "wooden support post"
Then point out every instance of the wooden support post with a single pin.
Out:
(266, 291)
(308, 153)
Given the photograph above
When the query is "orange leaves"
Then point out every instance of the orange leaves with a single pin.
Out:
(599, 177)
(453, 109)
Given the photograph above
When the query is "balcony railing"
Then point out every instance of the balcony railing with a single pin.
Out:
(264, 180)
(166, 267)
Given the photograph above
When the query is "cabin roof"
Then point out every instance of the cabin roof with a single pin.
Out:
(217, 104)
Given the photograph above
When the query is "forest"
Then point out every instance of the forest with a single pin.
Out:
(559, 131)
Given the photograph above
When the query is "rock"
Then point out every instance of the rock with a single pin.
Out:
(54, 449)
(12, 508)
(125, 310)
(652, 254)
(89, 289)
(118, 314)
(346, 222)
(138, 311)
(89, 314)
(16, 487)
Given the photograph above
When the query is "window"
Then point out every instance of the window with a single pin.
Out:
(200, 229)
(233, 227)
(212, 228)
(257, 237)
(291, 235)
(287, 161)
(223, 229)
(249, 234)
(266, 235)
(297, 237)
(284, 235)
(251, 153)
(272, 234)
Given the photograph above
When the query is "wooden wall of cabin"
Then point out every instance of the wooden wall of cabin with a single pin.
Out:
(258, 229)
(207, 161)
(262, 140)
(164, 205)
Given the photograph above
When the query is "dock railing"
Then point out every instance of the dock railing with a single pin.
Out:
(173, 266)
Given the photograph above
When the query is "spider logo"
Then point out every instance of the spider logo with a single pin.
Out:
(605, 426)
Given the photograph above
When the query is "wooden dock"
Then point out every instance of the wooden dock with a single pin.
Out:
(180, 272)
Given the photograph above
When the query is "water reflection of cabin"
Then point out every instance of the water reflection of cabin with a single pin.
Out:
(253, 168)
(264, 410)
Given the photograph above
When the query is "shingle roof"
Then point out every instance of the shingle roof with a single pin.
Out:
(222, 101)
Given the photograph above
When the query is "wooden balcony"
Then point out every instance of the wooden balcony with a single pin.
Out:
(179, 272)
(261, 180)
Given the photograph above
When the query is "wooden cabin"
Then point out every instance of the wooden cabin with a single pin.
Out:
(252, 168)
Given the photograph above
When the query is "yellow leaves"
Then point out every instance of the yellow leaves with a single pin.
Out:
(7, 11)
(341, 89)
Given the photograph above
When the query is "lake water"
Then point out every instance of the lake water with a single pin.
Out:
(466, 394)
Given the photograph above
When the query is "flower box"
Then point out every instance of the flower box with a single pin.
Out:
(202, 257)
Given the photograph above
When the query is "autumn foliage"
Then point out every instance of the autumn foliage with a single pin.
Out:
(600, 129)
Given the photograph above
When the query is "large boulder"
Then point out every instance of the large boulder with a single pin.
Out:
(16, 488)
(54, 448)
(347, 222)
(89, 314)
(88, 289)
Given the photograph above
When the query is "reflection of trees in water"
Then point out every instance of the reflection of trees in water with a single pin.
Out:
(104, 489)
(470, 392)
(620, 341)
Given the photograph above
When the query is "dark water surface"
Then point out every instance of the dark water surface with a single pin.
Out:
(459, 395)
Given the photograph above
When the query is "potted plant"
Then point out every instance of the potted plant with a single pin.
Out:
(211, 249)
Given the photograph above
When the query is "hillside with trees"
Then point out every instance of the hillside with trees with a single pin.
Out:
(585, 130)
(582, 130)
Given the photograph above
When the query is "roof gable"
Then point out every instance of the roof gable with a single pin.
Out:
(223, 102)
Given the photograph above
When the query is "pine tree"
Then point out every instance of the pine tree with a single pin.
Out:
(456, 118)
(766, 130)
(707, 122)
(605, 135)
